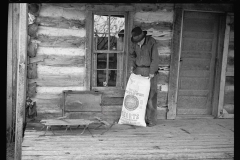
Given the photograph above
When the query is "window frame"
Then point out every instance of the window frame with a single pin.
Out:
(121, 54)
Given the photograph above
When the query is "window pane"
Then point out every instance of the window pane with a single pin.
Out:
(117, 25)
(112, 78)
(101, 41)
(101, 60)
(101, 32)
(112, 60)
(101, 78)
(101, 24)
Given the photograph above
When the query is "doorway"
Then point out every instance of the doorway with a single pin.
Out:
(198, 52)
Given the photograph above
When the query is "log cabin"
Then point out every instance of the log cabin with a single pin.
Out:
(62, 51)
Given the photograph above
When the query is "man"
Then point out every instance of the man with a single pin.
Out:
(144, 61)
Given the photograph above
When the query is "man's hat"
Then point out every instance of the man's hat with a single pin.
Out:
(137, 34)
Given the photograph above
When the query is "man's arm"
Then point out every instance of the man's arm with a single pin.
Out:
(154, 59)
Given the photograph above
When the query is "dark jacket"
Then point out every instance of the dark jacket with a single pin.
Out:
(147, 55)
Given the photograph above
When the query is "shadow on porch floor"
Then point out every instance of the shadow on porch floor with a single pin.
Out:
(169, 139)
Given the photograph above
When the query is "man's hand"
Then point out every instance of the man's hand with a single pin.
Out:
(131, 70)
(151, 75)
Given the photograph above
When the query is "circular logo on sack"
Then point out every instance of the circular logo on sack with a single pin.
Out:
(131, 102)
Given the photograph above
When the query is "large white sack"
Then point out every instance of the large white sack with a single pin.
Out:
(135, 101)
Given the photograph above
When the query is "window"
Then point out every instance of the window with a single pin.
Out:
(108, 50)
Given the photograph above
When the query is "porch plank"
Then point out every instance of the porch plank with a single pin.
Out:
(169, 139)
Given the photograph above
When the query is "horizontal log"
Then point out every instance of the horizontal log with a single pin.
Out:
(77, 6)
(158, 16)
(164, 50)
(60, 71)
(31, 90)
(58, 90)
(60, 22)
(146, 7)
(32, 71)
(60, 51)
(229, 97)
(164, 43)
(163, 77)
(67, 13)
(229, 81)
(58, 81)
(51, 31)
(230, 62)
(154, 26)
(61, 61)
(164, 59)
(162, 99)
(56, 41)
(231, 45)
(231, 36)
(231, 53)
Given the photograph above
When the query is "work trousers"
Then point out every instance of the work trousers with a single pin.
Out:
(151, 109)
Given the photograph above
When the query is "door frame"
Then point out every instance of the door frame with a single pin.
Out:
(176, 51)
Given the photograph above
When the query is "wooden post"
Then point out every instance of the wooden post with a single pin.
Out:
(9, 69)
(88, 52)
(224, 65)
(21, 79)
(174, 65)
(14, 61)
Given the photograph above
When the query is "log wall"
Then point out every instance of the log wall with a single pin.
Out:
(59, 63)
(60, 57)
(60, 60)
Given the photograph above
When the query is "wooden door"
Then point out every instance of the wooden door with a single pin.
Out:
(197, 61)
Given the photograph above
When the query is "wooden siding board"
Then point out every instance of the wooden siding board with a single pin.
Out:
(88, 59)
(21, 79)
(9, 70)
(173, 74)
(15, 56)
(223, 67)
(219, 57)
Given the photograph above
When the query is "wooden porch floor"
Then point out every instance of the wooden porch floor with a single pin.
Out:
(169, 139)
